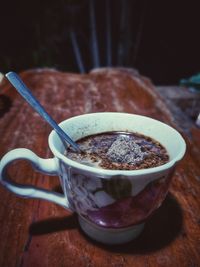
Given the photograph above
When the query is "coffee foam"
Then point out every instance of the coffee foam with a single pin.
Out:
(125, 150)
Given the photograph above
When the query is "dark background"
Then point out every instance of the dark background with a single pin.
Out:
(159, 38)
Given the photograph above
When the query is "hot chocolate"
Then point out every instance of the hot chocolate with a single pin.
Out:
(119, 151)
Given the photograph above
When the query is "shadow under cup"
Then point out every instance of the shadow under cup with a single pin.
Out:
(113, 204)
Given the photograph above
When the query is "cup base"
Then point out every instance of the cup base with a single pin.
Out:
(111, 236)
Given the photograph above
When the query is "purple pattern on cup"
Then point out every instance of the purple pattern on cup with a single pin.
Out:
(110, 202)
(133, 209)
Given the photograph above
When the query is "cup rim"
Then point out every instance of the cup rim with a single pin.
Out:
(107, 172)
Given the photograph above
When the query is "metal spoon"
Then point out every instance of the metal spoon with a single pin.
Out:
(19, 85)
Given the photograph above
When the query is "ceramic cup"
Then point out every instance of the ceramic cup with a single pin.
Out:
(112, 205)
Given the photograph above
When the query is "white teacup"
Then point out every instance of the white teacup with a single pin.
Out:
(112, 205)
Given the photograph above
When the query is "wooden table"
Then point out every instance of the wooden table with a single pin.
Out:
(39, 233)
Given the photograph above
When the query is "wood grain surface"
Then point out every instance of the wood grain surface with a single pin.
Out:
(38, 233)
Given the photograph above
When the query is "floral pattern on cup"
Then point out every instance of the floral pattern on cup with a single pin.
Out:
(132, 210)
(80, 190)
(109, 202)
(87, 192)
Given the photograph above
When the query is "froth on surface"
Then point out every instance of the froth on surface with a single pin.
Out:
(119, 151)
(125, 150)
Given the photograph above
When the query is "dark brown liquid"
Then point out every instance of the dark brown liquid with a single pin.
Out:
(119, 151)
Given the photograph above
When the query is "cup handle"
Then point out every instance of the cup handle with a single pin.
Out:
(47, 166)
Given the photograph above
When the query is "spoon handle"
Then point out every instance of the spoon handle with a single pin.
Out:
(20, 86)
